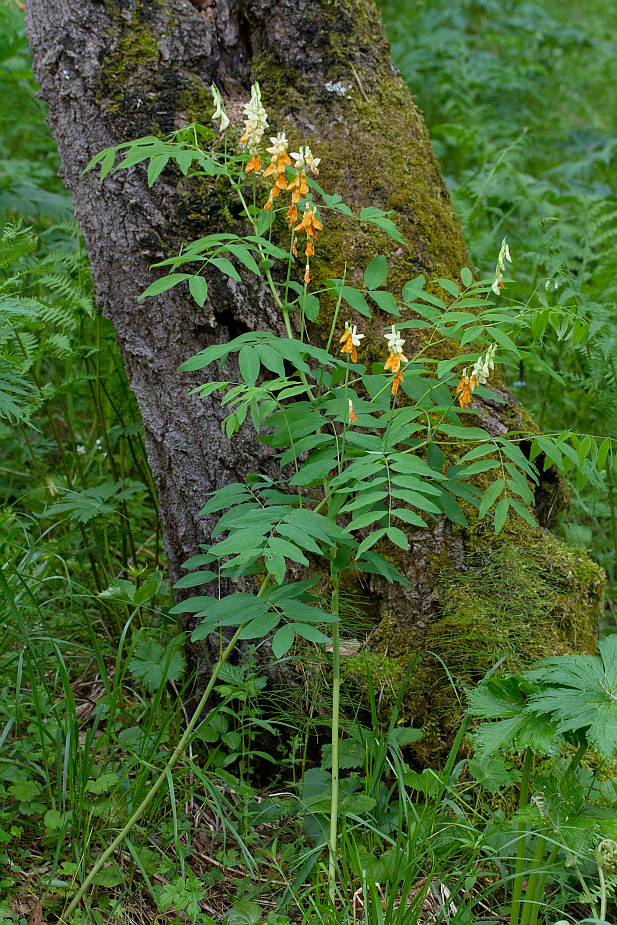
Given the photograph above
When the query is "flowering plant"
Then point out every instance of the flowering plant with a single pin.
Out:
(371, 443)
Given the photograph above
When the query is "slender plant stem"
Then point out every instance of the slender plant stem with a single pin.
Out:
(530, 897)
(541, 884)
(517, 891)
(163, 776)
(336, 697)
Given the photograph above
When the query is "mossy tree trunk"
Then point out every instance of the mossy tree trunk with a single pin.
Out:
(114, 70)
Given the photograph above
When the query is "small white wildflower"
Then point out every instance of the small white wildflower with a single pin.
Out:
(219, 108)
(255, 120)
(504, 254)
(304, 159)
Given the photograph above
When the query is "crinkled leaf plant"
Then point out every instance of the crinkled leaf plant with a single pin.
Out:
(567, 701)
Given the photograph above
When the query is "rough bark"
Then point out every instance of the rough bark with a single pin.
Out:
(113, 70)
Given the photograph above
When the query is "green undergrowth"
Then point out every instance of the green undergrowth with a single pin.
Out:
(93, 692)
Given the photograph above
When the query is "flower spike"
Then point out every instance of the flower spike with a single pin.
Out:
(504, 254)
(479, 375)
(255, 123)
(278, 161)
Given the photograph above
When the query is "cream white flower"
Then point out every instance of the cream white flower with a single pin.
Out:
(219, 108)
(278, 146)
(255, 120)
(304, 159)
(395, 342)
(504, 254)
(396, 357)
(351, 340)
(479, 375)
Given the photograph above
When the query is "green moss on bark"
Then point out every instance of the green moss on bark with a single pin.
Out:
(519, 600)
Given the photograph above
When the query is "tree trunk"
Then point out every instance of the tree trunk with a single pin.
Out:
(114, 70)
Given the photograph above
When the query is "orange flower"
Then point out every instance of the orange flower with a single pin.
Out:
(479, 374)
(465, 388)
(350, 340)
(292, 216)
(278, 161)
(311, 225)
(395, 358)
(352, 418)
(254, 165)
(303, 160)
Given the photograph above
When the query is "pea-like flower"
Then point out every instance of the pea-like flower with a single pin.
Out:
(303, 160)
(504, 254)
(311, 224)
(278, 161)
(396, 357)
(479, 375)
(255, 124)
(351, 340)
(219, 108)
(352, 417)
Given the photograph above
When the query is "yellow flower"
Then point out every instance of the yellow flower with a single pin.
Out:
(350, 340)
(395, 358)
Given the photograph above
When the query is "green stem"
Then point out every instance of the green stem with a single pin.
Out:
(163, 776)
(336, 695)
(530, 897)
(517, 891)
(541, 884)
(611, 505)
(603, 893)
(577, 758)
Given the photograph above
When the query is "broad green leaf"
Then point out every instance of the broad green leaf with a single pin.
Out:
(376, 272)
(163, 284)
(452, 509)
(466, 277)
(232, 610)
(580, 693)
(413, 289)
(244, 912)
(244, 255)
(490, 496)
(199, 289)
(356, 300)
(310, 633)
(195, 579)
(226, 267)
(283, 640)
(248, 360)
(449, 286)
(154, 664)
(370, 541)
(501, 513)
(409, 517)
(155, 167)
(397, 536)
(260, 627)
(385, 301)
